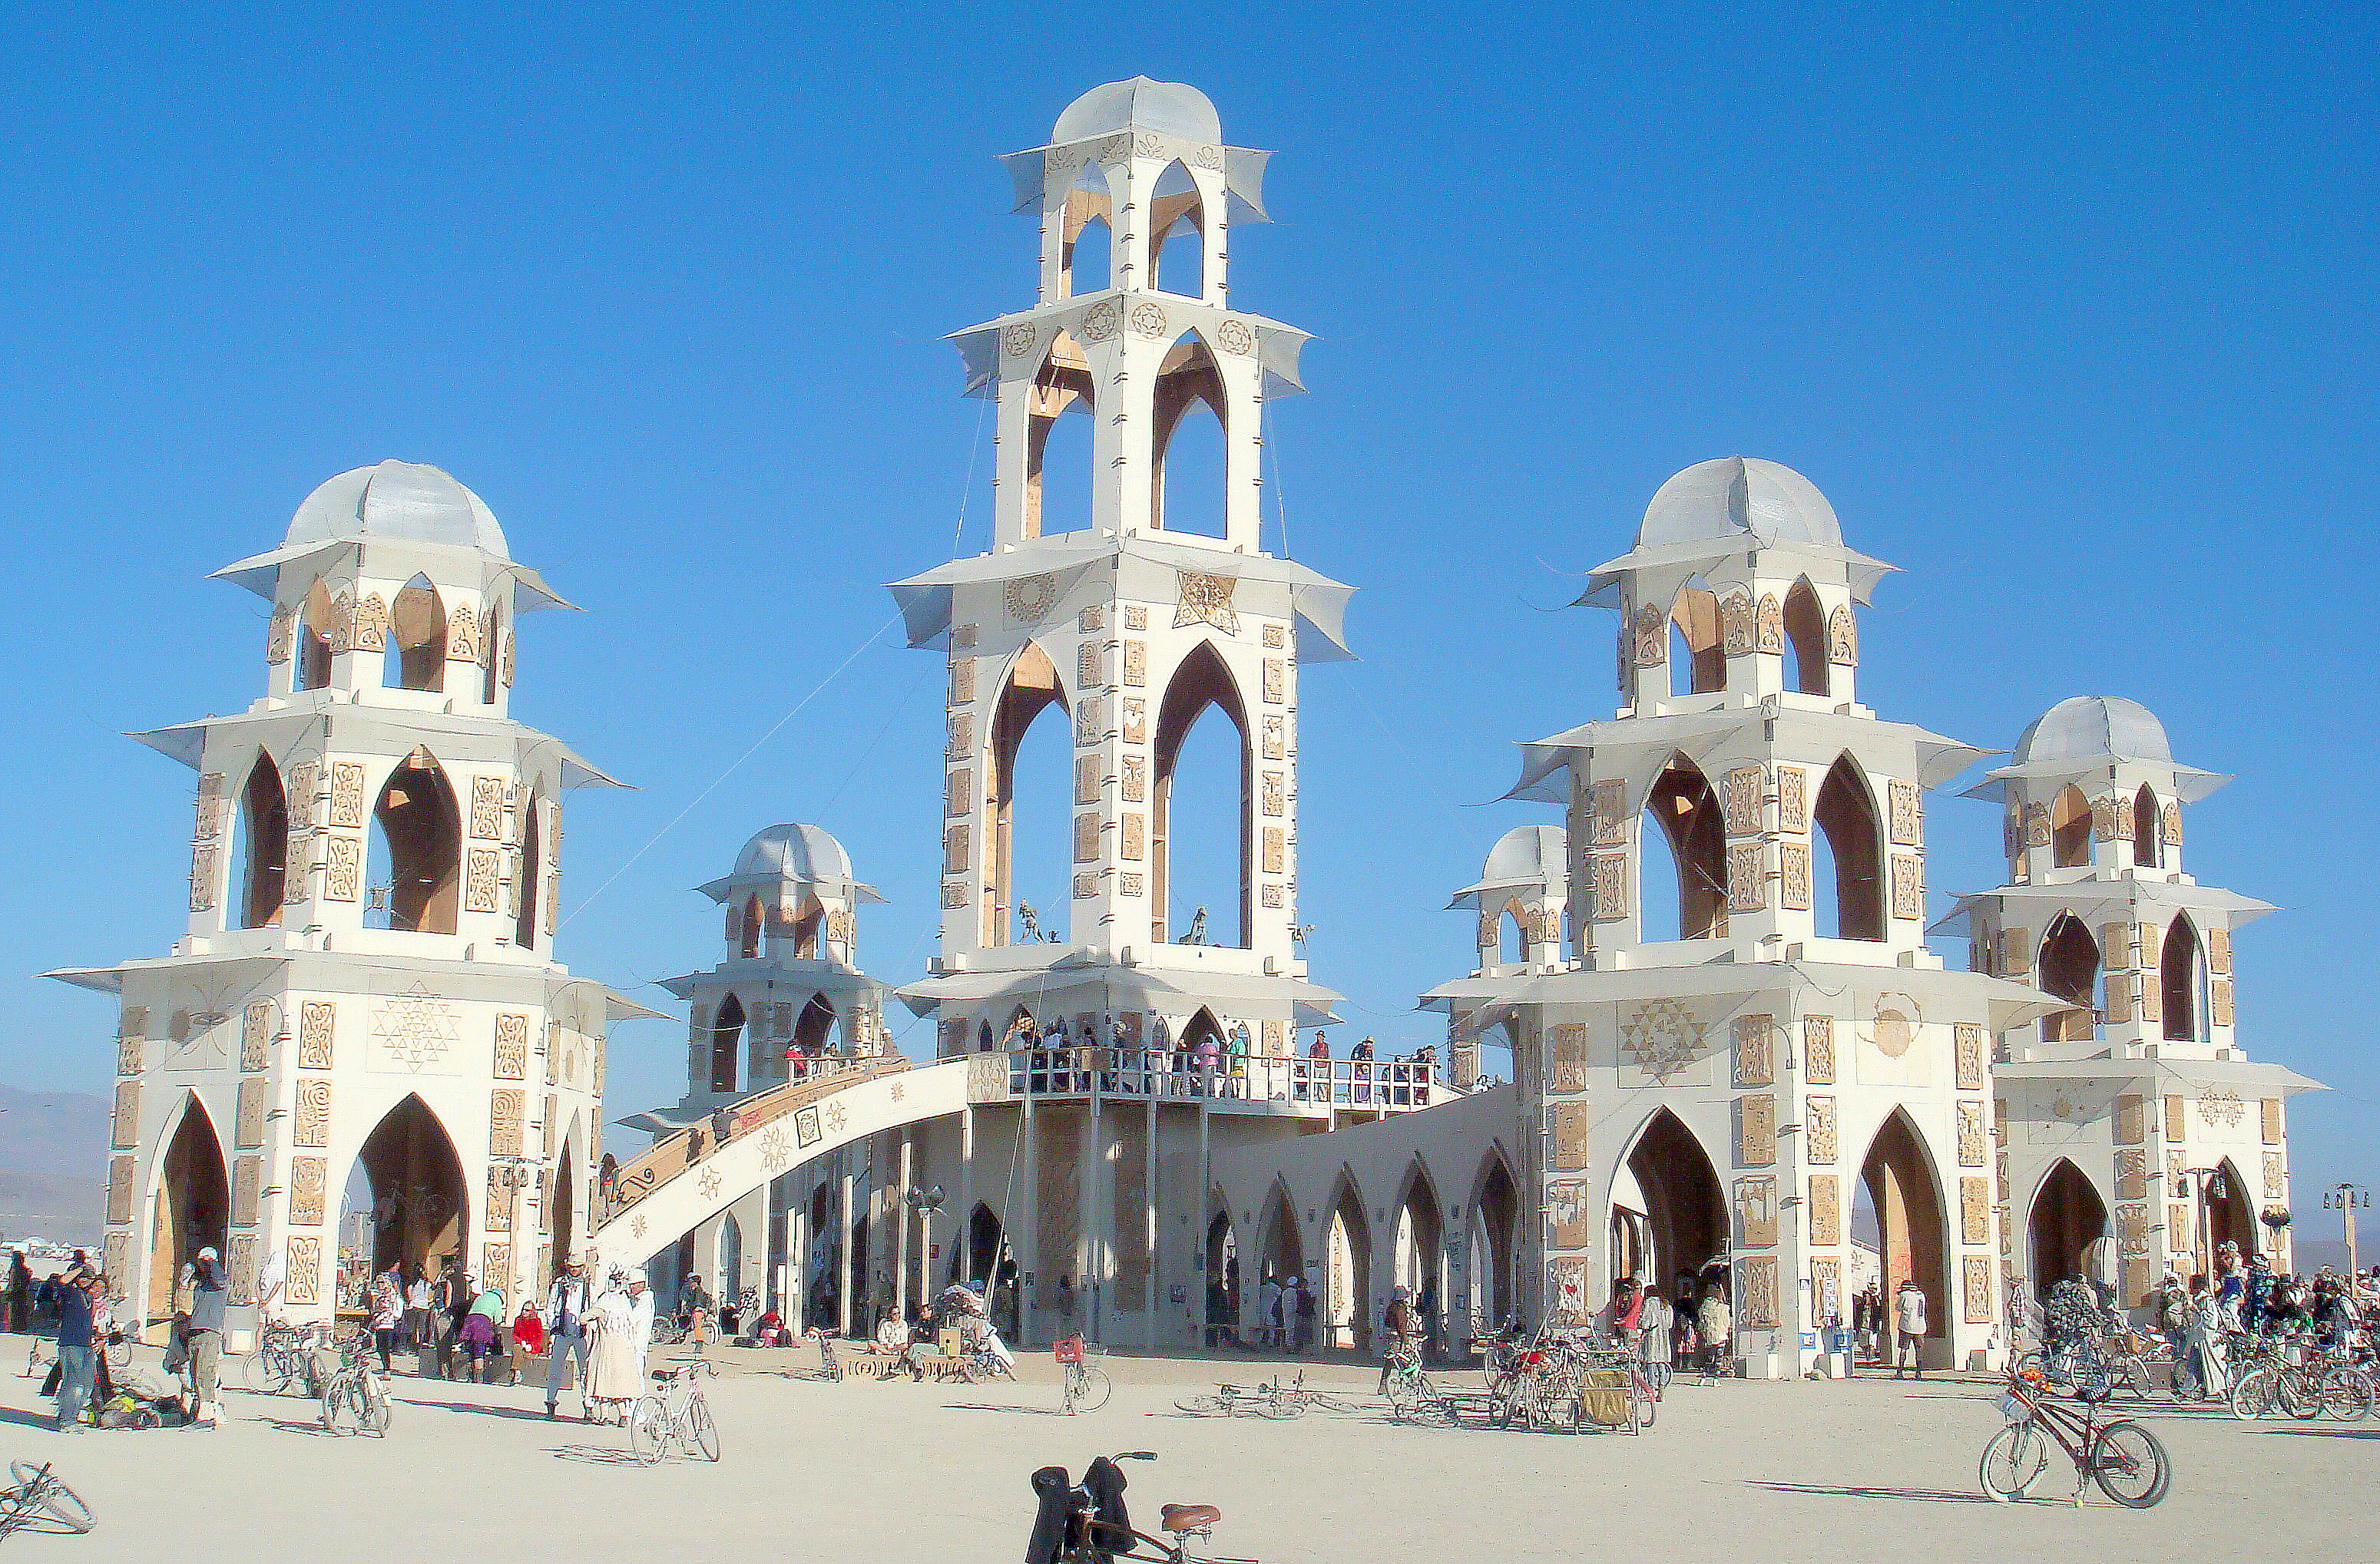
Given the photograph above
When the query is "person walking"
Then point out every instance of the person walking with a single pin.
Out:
(640, 1323)
(1268, 1312)
(2208, 1326)
(72, 1298)
(1654, 1320)
(722, 1124)
(566, 1308)
(210, 1291)
(417, 1311)
(1715, 1326)
(1303, 1306)
(1909, 1329)
(1872, 1337)
(387, 1304)
(19, 1295)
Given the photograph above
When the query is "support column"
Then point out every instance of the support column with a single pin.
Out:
(965, 1234)
(843, 1245)
(1028, 1252)
(1098, 1210)
(900, 1213)
(1153, 1289)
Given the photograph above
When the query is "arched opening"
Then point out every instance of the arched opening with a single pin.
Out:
(815, 1030)
(492, 653)
(532, 873)
(1063, 386)
(1850, 844)
(726, 1032)
(410, 1182)
(1806, 640)
(1347, 1275)
(1086, 260)
(730, 1260)
(2229, 1218)
(1281, 1256)
(1495, 1299)
(750, 925)
(1682, 1202)
(1513, 936)
(314, 627)
(2148, 842)
(1200, 1029)
(1417, 1257)
(2070, 971)
(1694, 829)
(1911, 1240)
(1177, 234)
(418, 842)
(1215, 862)
(262, 851)
(2068, 1215)
(987, 1249)
(2180, 968)
(807, 924)
(1032, 689)
(1187, 479)
(192, 1208)
(2070, 828)
(417, 623)
(561, 1207)
(1697, 653)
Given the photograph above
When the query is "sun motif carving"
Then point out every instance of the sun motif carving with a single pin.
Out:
(636, 1225)
(2220, 1107)
(1207, 599)
(1018, 340)
(899, 1091)
(2063, 1107)
(774, 1152)
(1663, 1038)
(1233, 336)
(1030, 598)
(708, 1184)
(836, 1117)
(415, 1028)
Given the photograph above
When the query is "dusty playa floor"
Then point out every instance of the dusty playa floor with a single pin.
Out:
(1870, 1469)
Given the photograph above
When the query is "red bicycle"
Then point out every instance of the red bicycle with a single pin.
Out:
(2123, 1458)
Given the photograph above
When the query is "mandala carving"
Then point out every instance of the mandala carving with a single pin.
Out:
(1030, 598)
(1099, 321)
(636, 1225)
(1148, 318)
(837, 1116)
(1233, 336)
(1662, 1037)
(415, 1028)
(309, 1177)
(1018, 340)
(1207, 599)
(316, 1025)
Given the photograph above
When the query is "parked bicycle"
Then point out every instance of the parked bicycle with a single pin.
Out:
(1265, 1400)
(2123, 1458)
(284, 1359)
(1069, 1530)
(33, 1499)
(1413, 1395)
(2318, 1385)
(1086, 1387)
(45, 1352)
(678, 1415)
(355, 1399)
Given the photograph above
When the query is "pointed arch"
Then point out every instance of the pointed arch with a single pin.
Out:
(315, 624)
(815, 1029)
(2180, 976)
(1697, 649)
(1062, 386)
(1200, 682)
(529, 892)
(1086, 254)
(1913, 1234)
(417, 843)
(1850, 834)
(1189, 494)
(1805, 640)
(2230, 1217)
(1495, 1215)
(417, 623)
(986, 1258)
(2148, 846)
(2070, 828)
(1512, 934)
(1177, 234)
(2069, 970)
(1418, 1248)
(1346, 1299)
(562, 1203)
(808, 922)
(1221, 1269)
(421, 1207)
(265, 844)
(726, 1030)
(1281, 1248)
(1694, 827)
(1032, 689)
(751, 926)
(192, 1208)
(1684, 1204)
(2066, 1217)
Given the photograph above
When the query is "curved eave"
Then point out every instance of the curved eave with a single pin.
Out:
(1244, 172)
(1121, 988)
(97, 979)
(1279, 348)
(721, 890)
(1483, 1001)
(823, 978)
(1687, 559)
(2189, 783)
(261, 573)
(2104, 895)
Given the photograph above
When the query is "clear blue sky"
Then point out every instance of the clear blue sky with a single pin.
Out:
(2071, 316)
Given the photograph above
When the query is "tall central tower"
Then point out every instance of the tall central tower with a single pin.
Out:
(1125, 596)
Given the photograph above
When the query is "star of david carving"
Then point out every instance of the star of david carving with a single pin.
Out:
(1207, 599)
(415, 1028)
(836, 1118)
(1662, 1038)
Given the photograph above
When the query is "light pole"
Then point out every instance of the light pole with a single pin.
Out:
(2207, 1184)
(2344, 1198)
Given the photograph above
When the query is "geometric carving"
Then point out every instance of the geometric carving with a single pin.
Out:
(243, 1191)
(414, 1028)
(1971, 1134)
(316, 1023)
(1905, 816)
(1818, 1131)
(1755, 1210)
(1818, 1050)
(1030, 598)
(305, 1283)
(2221, 1107)
(1570, 1063)
(1842, 637)
(1276, 681)
(343, 869)
(1661, 1037)
(1136, 616)
(1571, 1125)
(1793, 800)
(1610, 885)
(511, 1046)
(480, 886)
(1754, 1050)
(1826, 1206)
(1735, 624)
(1980, 1303)
(1769, 629)
(508, 1110)
(347, 793)
(119, 1189)
(2272, 1119)
(488, 807)
(1747, 877)
(1207, 599)
(1975, 1211)
(1610, 812)
(1756, 1133)
(1969, 1050)
(307, 1178)
(255, 1034)
(311, 1124)
(1652, 638)
(247, 1121)
(2132, 1120)
(1908, 886)
(128, 1115)
(1793, 878)
(1745, 785)
(1757, 1290)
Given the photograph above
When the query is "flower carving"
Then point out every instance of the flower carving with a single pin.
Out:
(837, 1116)
(1148, 318)
(1019, 340)
(1233, 336)
(708, 1184)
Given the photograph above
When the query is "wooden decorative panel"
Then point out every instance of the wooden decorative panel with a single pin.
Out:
(1769, 629)
(241, 1261)
(1908, 885)
(343, 868)
(1275, 794)
(962, 681)
(1747, 877)
(1793, 876)
(1793, 800)
(311, 1124)
(305, 1281)
(508, 1110)
(2272, 1119)
(1842, 637)
(2219, 1003)
(1652, 638)
(1276, 634)
(346, 795)
(1756, 1281)
(954, 896)
(1135, 778)
(1982, 1306)
(488, 808)
(1818, 1139)
(1570, 1058)
(1087, 837)
(127, 1121)
(1610, 812)
(958, 855)
(1745, 785)
(1276, 850)
(2116, 1007)
(2016, 952)
(2219, 952)
(1570, 1216)
(279, 636)
(1818, 1050)
(1276, 736)
(1970, 1133)
(2104, 812)
(1090, 619)
(959, 742)
(1135, 663)
(2115, 943)
(1967, 1048)
(1090, 665)
(1136, 616)
(309, 1180)
(1134, 835)
(2036, 825)
(1825, 1210)
(1754, 1050)
(1756, 1211)
(1135, 719)
(1610, 885)
(317, 1026)
(1090, 778)
(2152, 998)
(1975, 1211)
(244, 1171)
(131, 1055)
(958, 792)
(2177, 1120)
(1756, 1131)
(1276, 681)
(256, 1034)
(463, 635)
(2133, 1228)
(1906, 812)
(1571, 1125)
(2172, 822)
(247, 1116)
(1567, 1278)
(1085, 886)
(2276, 1182)
(1735, 624)
(203, 859)
(2132, 1120)
(511, 1046)
(483, 881)
(2180, 1237)
(2131, 1173)
(119, 1189)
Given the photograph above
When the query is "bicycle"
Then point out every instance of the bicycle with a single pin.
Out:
(1413, 1396)
(355, 1395)
(1265, 1400)
(34, 1497)
(677, 1415)
(1088, 1387)
(1296, 1389)
(1087, 1539)
(2302, 1390)
(44, 1352)
(282, 1357)
(2123, 1458)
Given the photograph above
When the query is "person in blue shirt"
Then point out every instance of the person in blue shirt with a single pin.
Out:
(75, 1350)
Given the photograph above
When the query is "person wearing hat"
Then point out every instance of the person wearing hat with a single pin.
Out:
(71, 1296)
(210, 1290)
(567, 1305)
(640, 1320)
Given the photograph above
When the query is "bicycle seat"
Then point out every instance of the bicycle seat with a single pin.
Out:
(1179, 1518)
(2094, 1393)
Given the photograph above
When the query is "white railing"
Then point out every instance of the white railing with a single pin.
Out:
(1377, 1085)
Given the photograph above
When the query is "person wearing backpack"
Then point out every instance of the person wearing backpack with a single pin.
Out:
(1304, 1312)
(1909, 1329)
(1714, 1322)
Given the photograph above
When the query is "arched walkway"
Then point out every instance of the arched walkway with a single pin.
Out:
(2229, 1218)
(1346, 1298)
(1418, 1254)
(2067, 1217)
(1495, 1209)
(1685, 1206)
(420, 1207)
(192, 1210)
(1912, 1236)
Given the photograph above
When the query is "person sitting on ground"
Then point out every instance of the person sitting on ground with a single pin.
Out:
(769, 1331)
(891, 1335)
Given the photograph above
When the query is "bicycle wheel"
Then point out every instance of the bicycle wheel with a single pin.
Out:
(2136, 1376)
(2294, 1396)
(2130, 1466)
(648, 1430)
(2252, 1395)
(2346, 1394)
(1201, 1405)
(65, 1506)
(335, 1408)
(1280, 1409)
(1647, 1408)
(1333, 1403)
(2012, 1459)
(705, 1431)
(1093, 1391)
(373, 1410)
(265, 1372)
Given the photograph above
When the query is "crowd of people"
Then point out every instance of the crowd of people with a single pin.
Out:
(1209, 1062)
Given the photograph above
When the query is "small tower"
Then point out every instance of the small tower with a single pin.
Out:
(367, 973)
(2139, 1076)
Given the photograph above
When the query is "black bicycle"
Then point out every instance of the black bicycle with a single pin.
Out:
(1069, 1531)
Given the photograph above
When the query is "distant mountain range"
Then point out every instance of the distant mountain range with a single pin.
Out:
(53, 1165)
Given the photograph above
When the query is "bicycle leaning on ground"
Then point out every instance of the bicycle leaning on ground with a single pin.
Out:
(354, 1398)
(678, 1414)
(2123, 1458)
(1297, 1390)
(1265, 1400)
(1087, 1539)
(36, 1499)
(1086, 1387)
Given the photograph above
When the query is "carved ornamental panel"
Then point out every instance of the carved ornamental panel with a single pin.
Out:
(1842, 637)
(1970, 1133)
(1087, 837)
(1735, 624)
(247, 1116)
(2132, 1120)
(1908, 830)
(317, 1024)
(507, 1121)
(1975, 1211)
(1610, 812)
(119, 1189)
(1747, 877)
(343, 868)
(256, 1034)
(1207, 599)
(1135, 778)
(1818, 1050)
(1770, 629)
(1571, 1126)
(1793, 800)
(1756, 1131)
(1793, 876)
(958, 855)
(511, 1046)
(1571, 1215)
(1825, 1210)
(2271, 1108)
(310, 1126)
(1754, 1050)
(1134, 836)
(1745, 785)
(1757, 1290)
(1908, 885)
(1756, 1211)
(1967, 1048)
(1818, 1137)
(308, 1183)
(346, 795)
(244, 1171)
(1610, 886)
(1982, 1306)
(1570, 1057)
